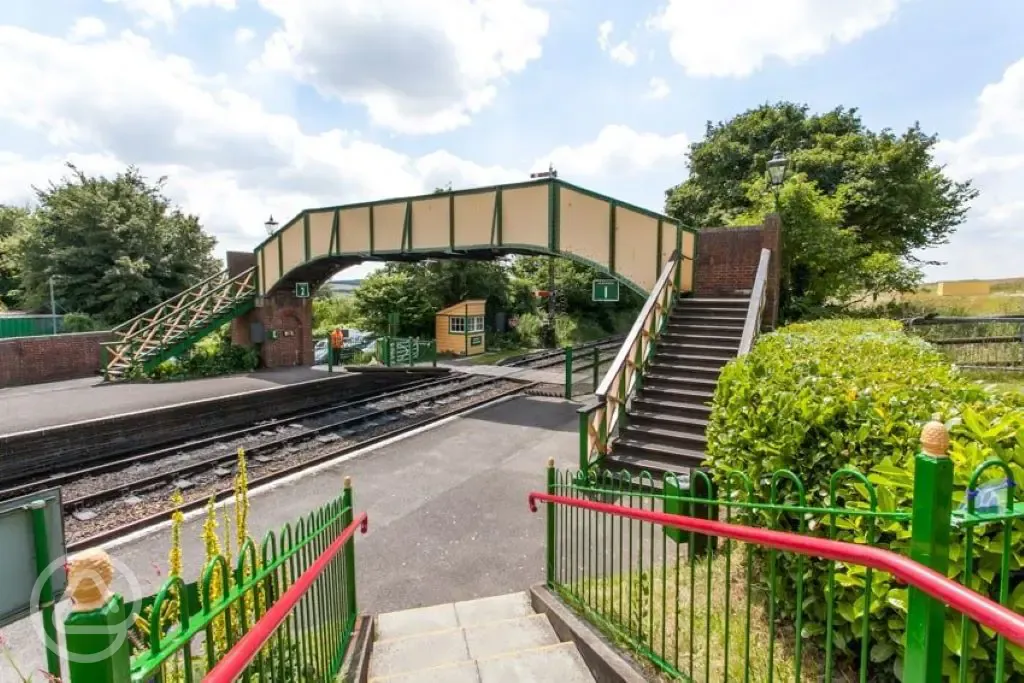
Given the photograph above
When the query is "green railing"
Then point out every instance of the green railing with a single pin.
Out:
(707, 608)
(599, 419)
(176, 640)
(394, 351)
(171, 327)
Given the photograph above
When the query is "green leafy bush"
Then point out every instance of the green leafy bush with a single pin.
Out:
(79, 322)
(211, 356)
(816, 397)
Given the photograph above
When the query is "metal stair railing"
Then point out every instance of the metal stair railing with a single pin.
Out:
(600, 418)
(147, 336)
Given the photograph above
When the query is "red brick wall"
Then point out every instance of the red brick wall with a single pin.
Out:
(727, 261)
(292, 318)
(31, 360)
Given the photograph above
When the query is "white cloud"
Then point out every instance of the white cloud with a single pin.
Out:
(735, 38)
(107, 103)
(87, 28)
(244, 35)
(622, 52)
(990, 242)
(618, 150)
(659, 89)
(153, 12)
(417, 67)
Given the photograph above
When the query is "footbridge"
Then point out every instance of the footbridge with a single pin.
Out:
(258, 290)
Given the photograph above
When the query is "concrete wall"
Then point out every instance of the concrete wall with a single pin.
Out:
(51, 358)
(727, 261)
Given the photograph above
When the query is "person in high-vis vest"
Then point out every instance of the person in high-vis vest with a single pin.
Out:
(337, 340)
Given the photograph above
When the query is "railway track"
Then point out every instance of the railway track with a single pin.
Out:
(99, 498)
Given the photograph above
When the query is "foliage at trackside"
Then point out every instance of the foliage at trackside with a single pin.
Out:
(214, 355)
(816, 397)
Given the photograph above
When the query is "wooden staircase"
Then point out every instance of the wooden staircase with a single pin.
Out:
(171, 327)
(665, 423)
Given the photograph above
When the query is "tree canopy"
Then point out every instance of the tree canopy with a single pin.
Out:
(881, 193)
(113, 246)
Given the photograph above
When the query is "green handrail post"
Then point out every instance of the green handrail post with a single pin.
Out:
(96, 636)
(568, 372)
(330, 357)
(433, 353)
(597, 367)
(42, 552)
(347, 516)
(550, 546)
(584, 425)
(929, 545)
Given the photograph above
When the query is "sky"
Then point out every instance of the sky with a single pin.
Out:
(258, 107)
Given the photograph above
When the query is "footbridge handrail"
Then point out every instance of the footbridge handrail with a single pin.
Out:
(600, 417)
(755, 310)
(129, 326)
(962, 599)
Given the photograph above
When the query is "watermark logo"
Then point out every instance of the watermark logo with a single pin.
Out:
(85, 575)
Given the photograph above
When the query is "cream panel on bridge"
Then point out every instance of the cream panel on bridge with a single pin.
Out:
(538, 217)
(321, 233)
(525, 218)
(388, 226)
(636, 247)
(354, 230)
(431, 223)
(293, 245)
(584, 226)
(474, 219)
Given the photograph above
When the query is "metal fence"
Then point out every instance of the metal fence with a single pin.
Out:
(707, 607)
(406, 351)
(29, 325)
(301, 581)
(995, 343)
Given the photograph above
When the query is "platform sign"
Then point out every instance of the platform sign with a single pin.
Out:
(302, 290)
(18, 563)
(606, 290)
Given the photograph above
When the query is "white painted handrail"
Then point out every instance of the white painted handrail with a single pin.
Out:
(752, 324)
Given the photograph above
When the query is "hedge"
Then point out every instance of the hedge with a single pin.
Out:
(817, 397)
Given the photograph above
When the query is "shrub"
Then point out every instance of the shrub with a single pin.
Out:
(79, 322)
(817, 397)
(214, 355)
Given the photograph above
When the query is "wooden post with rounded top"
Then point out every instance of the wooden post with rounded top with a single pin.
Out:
(96, 630)
(929, 545)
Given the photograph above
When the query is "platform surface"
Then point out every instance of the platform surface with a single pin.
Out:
(448, 515)
(55, 403)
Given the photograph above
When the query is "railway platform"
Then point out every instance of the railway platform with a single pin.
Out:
(437, 499)
(37, 406)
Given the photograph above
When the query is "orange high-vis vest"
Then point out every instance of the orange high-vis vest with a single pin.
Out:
(336, 338)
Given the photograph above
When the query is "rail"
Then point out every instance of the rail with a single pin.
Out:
(237, 660)
(965, 601)
(979, 343)
(755, 310)
(599, 419)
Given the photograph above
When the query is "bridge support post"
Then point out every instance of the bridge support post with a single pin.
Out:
(929, 545)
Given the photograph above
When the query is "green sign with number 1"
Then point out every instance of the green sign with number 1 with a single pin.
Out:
(606, 290)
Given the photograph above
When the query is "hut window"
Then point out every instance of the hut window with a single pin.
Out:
(476, 323)
(457, 325)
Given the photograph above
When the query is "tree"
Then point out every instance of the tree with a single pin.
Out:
(892, 198)
(114, 247)
(15, 224)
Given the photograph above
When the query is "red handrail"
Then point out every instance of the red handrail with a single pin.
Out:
(231, 666)
(964, 600)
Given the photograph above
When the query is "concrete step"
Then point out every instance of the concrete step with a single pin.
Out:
(662, 420)
(697, 383)
(653, 463)
(681, 395)
(491, 640)
(729, 301)
(673, 459)
(688, 348)
(725, 328)
(698, 337)
(660, 436)
(664, 369)
(673, 357)
(674, 408)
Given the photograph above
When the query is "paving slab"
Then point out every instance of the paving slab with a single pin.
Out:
(404, 655)
(561, 663)
(463, 672)
(495, 608)
(412, 622)
(500, 637)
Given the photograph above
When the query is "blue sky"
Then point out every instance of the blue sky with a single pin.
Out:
(252, 107)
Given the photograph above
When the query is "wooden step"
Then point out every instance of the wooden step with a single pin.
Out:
(671, 459)
(677, 395)
(704, 326)
(655, 379)
(727, 352)
(732, 301)
(684, 371)
(674, 408)
(694, 337)
(677, 359)
(664, 420)
(664, 437)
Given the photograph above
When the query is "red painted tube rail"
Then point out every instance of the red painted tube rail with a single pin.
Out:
(977, 607)
(231, 666)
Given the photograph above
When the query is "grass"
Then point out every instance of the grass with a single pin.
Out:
(491, 357)
(1001, 381)
(694, 624)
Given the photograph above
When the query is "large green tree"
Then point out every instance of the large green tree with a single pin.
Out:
(15, 224)
(890, 197)
(113, 246)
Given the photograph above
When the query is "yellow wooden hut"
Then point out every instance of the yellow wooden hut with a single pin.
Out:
(460, 328)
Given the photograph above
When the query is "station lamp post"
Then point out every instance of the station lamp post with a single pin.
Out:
(777, 167)
(270, 225)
